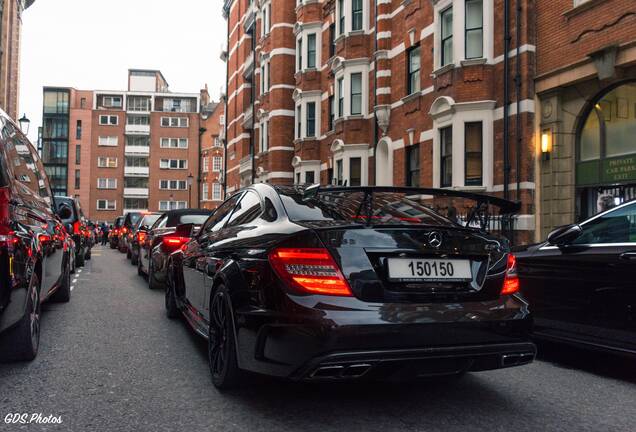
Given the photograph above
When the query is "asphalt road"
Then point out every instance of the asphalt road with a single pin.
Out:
(111, 361)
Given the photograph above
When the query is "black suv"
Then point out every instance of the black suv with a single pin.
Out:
(130, 220)
(34, 245)
(75, 224)
(114, 235)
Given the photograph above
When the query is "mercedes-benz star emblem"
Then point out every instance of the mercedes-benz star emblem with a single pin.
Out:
(435, 239)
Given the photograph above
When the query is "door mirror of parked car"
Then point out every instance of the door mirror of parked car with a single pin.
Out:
(564, 235)
(184, 230)
(65, 212)
(196, 229)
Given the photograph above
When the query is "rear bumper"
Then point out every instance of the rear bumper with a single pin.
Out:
(408, 364)
(392, 339)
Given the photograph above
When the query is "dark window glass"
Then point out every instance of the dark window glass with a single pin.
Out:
(78, 130)
(356, 94)
(413, 165)
(309, 177)
(311, 50)
(446, 37)
(617, 226)
(77, 179)
(413, 83)
(78, 154)
(446, 144)
(221, 215)
(247, 210)
(332, 40)
(473, 155)
(332, 112)
(355, 171)
(54, 152)
(341, 16)
(311, 119)
(339, 172)
(356, 15)
(341, 97)
(56, 128)
(55, 102)
(474, 29)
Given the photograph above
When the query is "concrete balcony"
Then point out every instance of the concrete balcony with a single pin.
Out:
(137, 150)
(137, 129)
(136, 171)
(136, 192)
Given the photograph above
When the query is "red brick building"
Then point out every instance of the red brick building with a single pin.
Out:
(362, 92)
(586, 105)
(119, 151)
(212, 152)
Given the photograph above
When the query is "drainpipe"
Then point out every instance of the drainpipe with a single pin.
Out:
(518, 97)
(225, 113)
(375, 97)
(202, 130)
(506, 97)
(253, 92)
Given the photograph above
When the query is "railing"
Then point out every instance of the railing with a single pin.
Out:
(137, 150)
(137, 171)
(136, 192)
(132, 129)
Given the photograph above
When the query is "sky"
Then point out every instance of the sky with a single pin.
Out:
(91, 44)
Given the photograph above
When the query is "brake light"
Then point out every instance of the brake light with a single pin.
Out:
(511, 281)
(44, 238)
(141, 236)
(124, 230)
(174, 241)
(76, 228)
(312, 271)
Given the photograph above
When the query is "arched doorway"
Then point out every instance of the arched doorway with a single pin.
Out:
(606, 151)
(384, 163)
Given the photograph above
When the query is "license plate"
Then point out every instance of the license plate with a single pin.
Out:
(433, 270)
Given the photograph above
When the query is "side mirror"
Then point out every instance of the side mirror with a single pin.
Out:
(184, 230)
(65, 212)
(563, 235)
(196, 229)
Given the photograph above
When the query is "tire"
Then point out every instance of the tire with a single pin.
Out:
(63, 293)
(72, 264)
(128, 254)
(22, 341)
(79, 260)
(139, 271)
(134, 258)
(172, 310)
(222, 359)
(88, 255)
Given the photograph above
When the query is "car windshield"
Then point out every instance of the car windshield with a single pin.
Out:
(134, 218)
(148, 220)
(196, 219)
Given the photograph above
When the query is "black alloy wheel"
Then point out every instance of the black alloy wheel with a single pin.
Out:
(172, 310)
(22, 341)
(221, 343)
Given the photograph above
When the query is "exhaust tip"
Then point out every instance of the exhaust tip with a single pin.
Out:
(355, 370)
(516, 359)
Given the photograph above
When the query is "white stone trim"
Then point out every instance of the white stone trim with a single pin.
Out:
(513, 52)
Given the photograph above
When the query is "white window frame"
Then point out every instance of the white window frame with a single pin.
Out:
(172, 205)
(342, 152)
(459, 33)
(265, 82)
(302, 167)
(112, 99)
(447, 113)
(302, 98)
(108, 141)
(348, 8)
(204, 191)
(345, 71)
(107, 206)
(173, 184)
(106, 160)
(302, 33)
(266, 18)
(215, 160)
(205, 164)
(217, 192)
(168, 163)
(167, 142)
(263, 136)
(108, 118)
(108, 183)
(178, 122)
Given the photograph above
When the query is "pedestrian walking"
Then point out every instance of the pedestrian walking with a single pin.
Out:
(105, 231)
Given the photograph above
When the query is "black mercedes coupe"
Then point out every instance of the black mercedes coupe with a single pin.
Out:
(342, 283)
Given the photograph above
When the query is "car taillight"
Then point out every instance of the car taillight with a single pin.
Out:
(76, 228)
(124, 230)
(174, 241)
(7, 235)
(141, 237)
(511, 281)
(312, 271)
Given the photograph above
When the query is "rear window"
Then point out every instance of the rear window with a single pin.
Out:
(61, 202)
(194, 219)
(134, 218)
(149, 220)
(382, 208)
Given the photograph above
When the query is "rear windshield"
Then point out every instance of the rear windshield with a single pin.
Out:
(118, 221)
(194, 219)
(149, 220)
(382, 208)
(61, 202)
(134, 218)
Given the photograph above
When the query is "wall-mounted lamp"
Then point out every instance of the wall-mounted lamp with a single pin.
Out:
(25, 124)
(546, 144)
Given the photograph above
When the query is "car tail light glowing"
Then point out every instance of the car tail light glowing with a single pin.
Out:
(311, 271)
(141, 236)
(174, 241)
(511, 281)
(76, 228)
(124, 230)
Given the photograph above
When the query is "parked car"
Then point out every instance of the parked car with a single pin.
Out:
(113, 236)
(581, 282)
(139, 233)
(75, 224)
(34, 246)
(162, 240)
(125, 237)
(346, 283)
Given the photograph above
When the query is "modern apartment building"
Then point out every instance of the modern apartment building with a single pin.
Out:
(10, 41)
(212, 152)
(435, 93)
(119, 151)
(586, 97)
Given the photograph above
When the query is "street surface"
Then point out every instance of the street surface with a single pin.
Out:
(111, 361)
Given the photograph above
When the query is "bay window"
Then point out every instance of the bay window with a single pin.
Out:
(413, 165)
(473, 150)
(446, 152)
(356, 15)
(356, 94)
(446, 31)
(310, 121)
(474, 28)
(414, 64)
(311, 51)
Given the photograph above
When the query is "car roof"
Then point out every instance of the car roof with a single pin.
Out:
(181, 212)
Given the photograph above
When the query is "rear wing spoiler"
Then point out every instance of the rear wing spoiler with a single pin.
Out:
(505, 207)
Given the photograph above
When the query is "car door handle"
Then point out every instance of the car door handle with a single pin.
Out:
(630, 256)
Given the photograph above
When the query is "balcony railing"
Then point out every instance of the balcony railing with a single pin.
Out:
(137, 171)
(132, 129)
(136, 192)
(137, 150)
